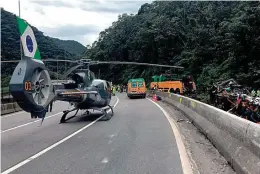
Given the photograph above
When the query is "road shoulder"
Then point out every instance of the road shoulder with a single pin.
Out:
(204, 157)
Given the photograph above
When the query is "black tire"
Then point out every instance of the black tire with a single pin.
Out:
(177, 91)
(144, 96)
(172, 90)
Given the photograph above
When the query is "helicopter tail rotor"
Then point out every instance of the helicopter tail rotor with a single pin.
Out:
(31, 86)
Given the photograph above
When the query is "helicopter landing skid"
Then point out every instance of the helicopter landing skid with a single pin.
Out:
(107, 116)
(104, 110)
(65, 113)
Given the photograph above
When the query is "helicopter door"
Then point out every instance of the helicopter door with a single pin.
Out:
(108, 87)
(105, 86)
(107, 92)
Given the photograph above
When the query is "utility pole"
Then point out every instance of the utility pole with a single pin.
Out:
(99, 73)
(21, 51)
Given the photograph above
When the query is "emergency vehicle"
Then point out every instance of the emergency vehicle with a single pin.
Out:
(136, 87)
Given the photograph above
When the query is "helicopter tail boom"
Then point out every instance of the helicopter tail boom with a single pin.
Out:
(82, 92)
(74, 95)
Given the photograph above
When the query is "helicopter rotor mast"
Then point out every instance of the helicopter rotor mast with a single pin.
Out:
(87, 62)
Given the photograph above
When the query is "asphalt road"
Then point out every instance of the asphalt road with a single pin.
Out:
(138, 139)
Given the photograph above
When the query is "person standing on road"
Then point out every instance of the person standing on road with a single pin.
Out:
(253, 93)
(114, 90)
(258, 93)
(51, 103)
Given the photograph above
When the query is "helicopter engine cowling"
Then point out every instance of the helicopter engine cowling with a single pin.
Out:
(31, 86)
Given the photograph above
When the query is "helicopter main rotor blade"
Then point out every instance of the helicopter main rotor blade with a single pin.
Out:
(134, 63)
(59, 60)
(70, 70)
(44, 60)
(103, 62)
(9, 61)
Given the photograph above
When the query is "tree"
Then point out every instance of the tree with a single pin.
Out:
(212, 40)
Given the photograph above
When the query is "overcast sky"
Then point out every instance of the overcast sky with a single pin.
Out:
(79, 20)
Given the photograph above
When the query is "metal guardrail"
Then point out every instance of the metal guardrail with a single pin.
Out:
(237, 139)
(10, 108)
(8, 105)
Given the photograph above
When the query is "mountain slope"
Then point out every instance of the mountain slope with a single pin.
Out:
(11, 40)
(213, 40)
(10, 46)
(71, 46)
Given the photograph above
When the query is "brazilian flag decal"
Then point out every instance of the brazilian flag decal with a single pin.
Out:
(28, 40)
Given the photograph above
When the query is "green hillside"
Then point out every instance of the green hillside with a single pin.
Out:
(213, 40)
(71, 46)
(49, 47)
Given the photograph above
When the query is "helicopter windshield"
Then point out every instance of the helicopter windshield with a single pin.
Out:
(98, 83)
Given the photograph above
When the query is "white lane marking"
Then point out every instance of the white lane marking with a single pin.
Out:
(20, 112)
(104, 161)
(185, 162)
(54, 145)
(29, 123)
(9, 115)
(34, 121)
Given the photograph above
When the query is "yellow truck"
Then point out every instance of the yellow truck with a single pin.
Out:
(173, 84)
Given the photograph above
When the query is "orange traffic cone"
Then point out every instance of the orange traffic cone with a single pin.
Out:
(154, 97)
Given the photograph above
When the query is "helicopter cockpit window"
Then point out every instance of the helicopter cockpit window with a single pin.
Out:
(98, 84)
(108, 85)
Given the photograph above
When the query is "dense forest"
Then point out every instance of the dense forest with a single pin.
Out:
(49, 47)
(213, 40)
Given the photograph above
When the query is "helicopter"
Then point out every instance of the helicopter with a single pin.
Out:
(32, 89)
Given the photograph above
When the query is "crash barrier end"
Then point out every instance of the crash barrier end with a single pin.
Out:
(237, 139)
(9, 108)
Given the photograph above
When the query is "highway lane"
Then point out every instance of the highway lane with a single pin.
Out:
(20, 118)
(138, 139)
(19, 144)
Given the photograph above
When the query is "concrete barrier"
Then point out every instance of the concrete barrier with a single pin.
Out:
(10, 108)
(237, 139)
